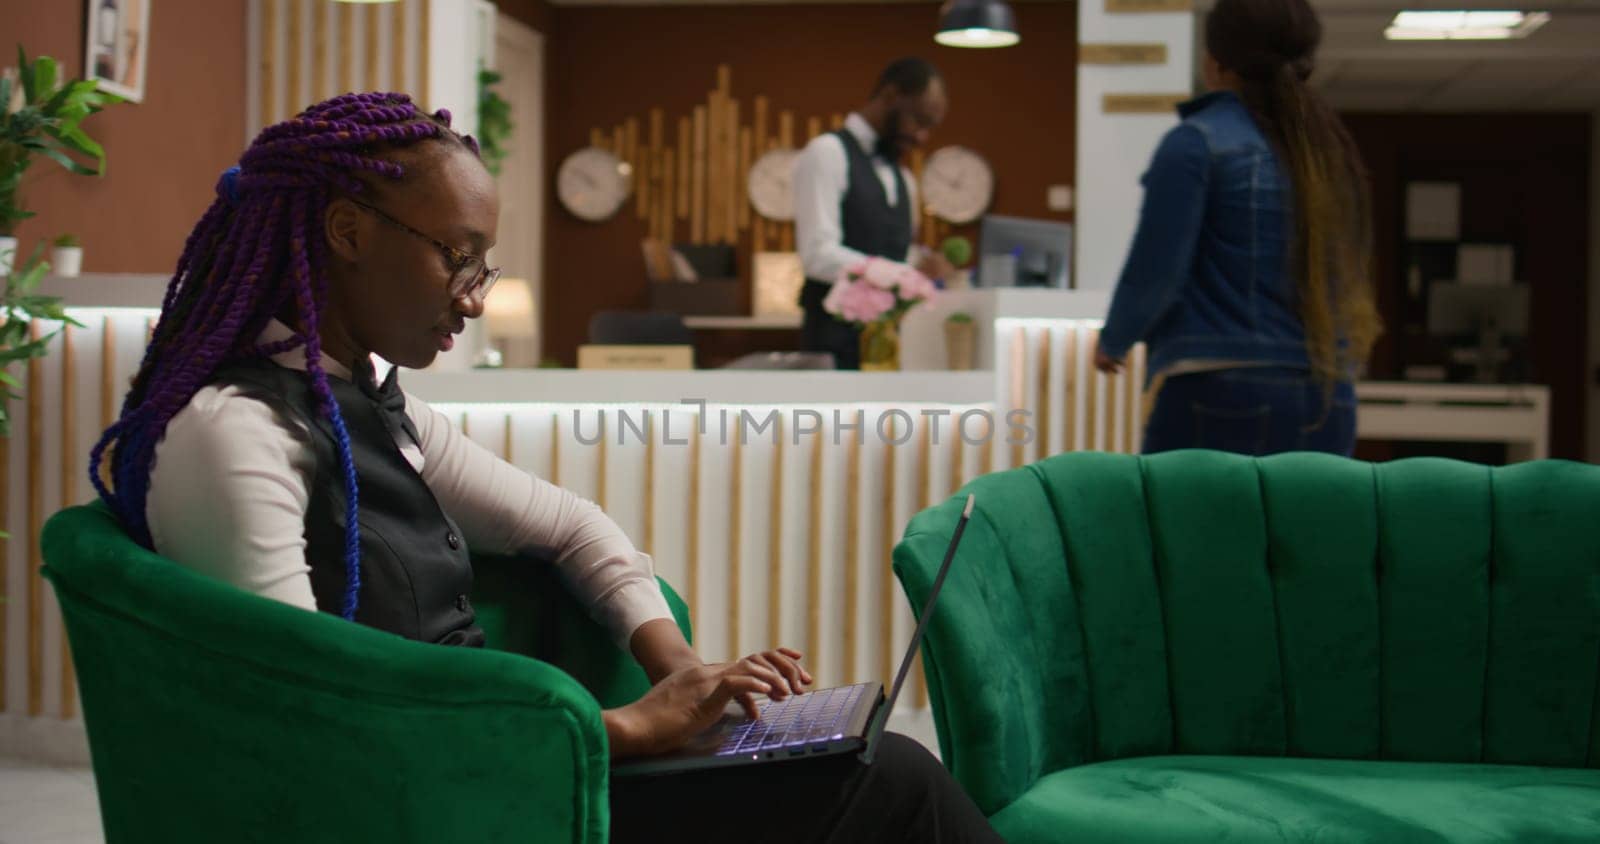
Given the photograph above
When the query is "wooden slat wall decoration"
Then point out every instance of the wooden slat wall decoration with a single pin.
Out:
(311, 50)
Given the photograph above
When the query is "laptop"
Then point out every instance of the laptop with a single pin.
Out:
(824, 722)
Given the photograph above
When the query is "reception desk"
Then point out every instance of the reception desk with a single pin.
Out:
(770, 499)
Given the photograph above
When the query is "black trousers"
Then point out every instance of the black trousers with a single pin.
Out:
(821, 331)
(904, 795)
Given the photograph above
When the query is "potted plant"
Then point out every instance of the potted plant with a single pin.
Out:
(960, 340)
(958, 251)
(875, 295)
(494, 121)
(39, 115)
(67, 256)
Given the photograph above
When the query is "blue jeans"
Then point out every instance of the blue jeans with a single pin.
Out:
(1252, 410)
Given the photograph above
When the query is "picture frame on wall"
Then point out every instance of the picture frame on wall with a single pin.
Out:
(116, 40)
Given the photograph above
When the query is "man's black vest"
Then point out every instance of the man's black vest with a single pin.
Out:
(871, 225)
(415, 572)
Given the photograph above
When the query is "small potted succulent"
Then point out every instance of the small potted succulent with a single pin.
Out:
(960, 340)
(66, 259)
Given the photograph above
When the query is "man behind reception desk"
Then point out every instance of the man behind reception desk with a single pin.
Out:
(854, 199)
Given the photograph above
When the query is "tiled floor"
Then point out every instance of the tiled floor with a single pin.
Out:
(41, 804)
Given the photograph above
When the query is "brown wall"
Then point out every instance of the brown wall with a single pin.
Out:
(163, 155)
(606, 64)
(1524, 180)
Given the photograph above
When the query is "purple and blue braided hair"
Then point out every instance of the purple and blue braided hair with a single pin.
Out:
(259, 252)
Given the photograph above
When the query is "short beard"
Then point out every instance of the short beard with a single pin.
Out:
(889, 140)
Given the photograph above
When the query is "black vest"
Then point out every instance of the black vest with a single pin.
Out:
(415, 571)
(871, 225)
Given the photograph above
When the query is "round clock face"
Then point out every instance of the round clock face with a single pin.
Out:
(957, 184)
(772, 184)
(592, 183)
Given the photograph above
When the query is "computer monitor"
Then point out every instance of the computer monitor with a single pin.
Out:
(1468, 310)
(1483, 315)
(1019, 252)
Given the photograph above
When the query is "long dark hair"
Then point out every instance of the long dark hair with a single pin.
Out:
(256, 254)
(1271, 45)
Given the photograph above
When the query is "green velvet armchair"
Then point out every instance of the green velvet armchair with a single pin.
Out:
(1199, 646)
(217, 715)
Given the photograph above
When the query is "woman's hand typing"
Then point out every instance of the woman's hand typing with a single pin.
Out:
(691, 699)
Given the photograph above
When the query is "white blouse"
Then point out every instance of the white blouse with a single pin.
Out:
(229, 493)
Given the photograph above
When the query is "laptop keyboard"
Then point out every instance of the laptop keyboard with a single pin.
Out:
(795, 720)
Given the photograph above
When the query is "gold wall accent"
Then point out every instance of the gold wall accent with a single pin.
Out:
(36, 505)
(852, 556)
(735, 533)
(69, 492)
(775, 543)
(1130, 7)
(1141, 103)
(886, 601)
(814, 560)
(1122, 54)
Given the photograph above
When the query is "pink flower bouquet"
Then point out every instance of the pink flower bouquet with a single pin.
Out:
(876, 289)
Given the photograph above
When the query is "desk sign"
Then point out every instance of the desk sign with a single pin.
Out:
(1141, 103)
(1122, 54)
(1134, 7)
(635, 357)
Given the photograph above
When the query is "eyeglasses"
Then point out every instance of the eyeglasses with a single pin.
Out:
(469, 275)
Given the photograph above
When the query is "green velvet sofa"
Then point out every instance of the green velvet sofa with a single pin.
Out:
(1199, 646)
(217, 715)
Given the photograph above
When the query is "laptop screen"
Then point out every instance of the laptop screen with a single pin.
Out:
(916, 636)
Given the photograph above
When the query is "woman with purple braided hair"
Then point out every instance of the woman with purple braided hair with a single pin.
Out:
(257, 446)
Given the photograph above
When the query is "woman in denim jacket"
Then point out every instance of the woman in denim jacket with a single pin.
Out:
(1249, 276)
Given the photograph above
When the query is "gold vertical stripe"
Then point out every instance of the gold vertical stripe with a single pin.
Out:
(813, 560)
(1091, 409)
(269, 61)
(108, 388)
(986, 452)
(852, 532)
(319, 54)
(1069, 390)
(1135, 378)
(692, 573)
(424, 52)
(735, 484)
(742, 195)
(397, 49)
(69, 492)
(1042, 424)
(924, 501)
(505, 442)
(555, 448)
(601, 458)
(292, 67)
(372, 16)
(650, 482)
(885, 570)
(697, 222)
(685, 153)
(958, 462)
(1019, 383)
(347, 47)
(813, 127)
(35, 524)
(775, 544)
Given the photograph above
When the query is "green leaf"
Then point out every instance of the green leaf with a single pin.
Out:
(66, 161)
(78, 141)
(5, 378)
(24, 70)
(45, 74)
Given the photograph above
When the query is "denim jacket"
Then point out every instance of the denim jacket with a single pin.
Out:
(1207, 277)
